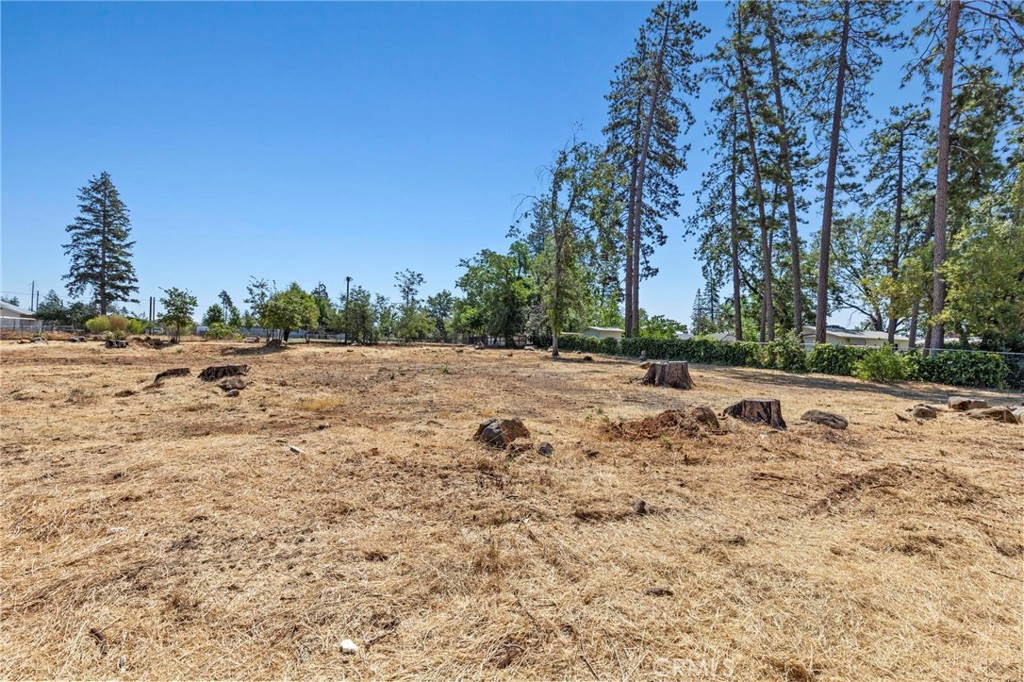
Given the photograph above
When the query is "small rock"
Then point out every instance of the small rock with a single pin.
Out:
(546, 449)
(321, 427)
(297, 451)
(233, 393)
(233, 383)
(510, 354)
(592, 454)
(924, 412)
(960, 404)
(825, 418)
(528, 347)
(999, 414)
(640, 508)
(349, 647)
(501, 433)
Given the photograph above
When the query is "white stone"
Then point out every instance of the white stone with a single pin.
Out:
(349, 647)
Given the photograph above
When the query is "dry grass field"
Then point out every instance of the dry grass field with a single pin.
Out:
(174, 532)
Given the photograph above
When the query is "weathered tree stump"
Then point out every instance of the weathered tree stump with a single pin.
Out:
(674, 374)
(176, 372)
(220, 371)
(116, 343)
(767, 410)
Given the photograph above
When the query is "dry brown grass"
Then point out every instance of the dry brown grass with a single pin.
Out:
(172, 533)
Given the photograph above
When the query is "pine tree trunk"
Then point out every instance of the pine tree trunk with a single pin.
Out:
(942, 176)
(645, 146)
(787, 163)
(894, 271)
(914, 311)
(768, 309)
(821, 314)
(630, 312)
(734, 240)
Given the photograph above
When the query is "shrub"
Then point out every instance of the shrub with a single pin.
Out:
(221, 331)
(118, 323)
(98, 325)
(958, 368)
(827, 358)
(884, 365)
(136, 326)
(786, 353)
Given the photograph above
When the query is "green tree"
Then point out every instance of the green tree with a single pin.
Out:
(214, 315)
(51, 308)
(234, 318)
(660, 327)
(440, 307)
(327, 313)
(100, 250)
(647, 103)
(291, 309)
(956, 33)
(386, 315)
(260, 292)
(496, 294)
(843, 39)
(179, 305)
(360, 319)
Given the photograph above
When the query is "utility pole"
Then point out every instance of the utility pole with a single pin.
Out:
(32, 297)
(348, 281)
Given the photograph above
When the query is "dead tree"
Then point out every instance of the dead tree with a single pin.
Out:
(673, 374)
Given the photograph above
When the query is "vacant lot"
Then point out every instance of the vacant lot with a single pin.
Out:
(173, 531)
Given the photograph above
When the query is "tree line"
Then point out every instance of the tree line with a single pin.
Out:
(921, 211)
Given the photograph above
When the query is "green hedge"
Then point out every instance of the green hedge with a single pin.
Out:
(956, 368)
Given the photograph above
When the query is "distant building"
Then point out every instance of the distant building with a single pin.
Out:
(684, 336)
(604, 333)
(840, 336)
(724, 337)
(19, 319)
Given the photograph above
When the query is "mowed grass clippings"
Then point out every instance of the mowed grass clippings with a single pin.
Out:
(169, 531)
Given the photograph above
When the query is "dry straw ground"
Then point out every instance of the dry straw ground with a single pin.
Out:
(173, 533)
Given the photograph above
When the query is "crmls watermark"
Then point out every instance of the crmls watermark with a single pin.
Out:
(704, 668)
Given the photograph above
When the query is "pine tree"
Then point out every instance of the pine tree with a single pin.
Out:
(645, 108)
(100, 250)
(843, 40)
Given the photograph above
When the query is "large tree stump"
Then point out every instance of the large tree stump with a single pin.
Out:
(220, 371)
(767, 410)
(674, 374)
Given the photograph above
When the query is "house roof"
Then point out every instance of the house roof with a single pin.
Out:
(9, 309)
(605, 329)
(844, 333)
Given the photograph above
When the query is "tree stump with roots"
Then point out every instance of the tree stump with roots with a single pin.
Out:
(673, 374)
(767, 410)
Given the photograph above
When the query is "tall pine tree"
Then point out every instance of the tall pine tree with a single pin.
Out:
(101, 253)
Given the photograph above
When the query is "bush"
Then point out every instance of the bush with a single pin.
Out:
(118, 323)
(219, 331)
(137, 326)
(98, 325)
(786, 353)
(884, 365)
(958, 368)
(826, 358)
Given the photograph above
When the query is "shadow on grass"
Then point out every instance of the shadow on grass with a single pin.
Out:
(255, 349)
(919, 392)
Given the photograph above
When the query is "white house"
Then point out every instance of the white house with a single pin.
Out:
(840, 336)
(19, 319)
(604, 333)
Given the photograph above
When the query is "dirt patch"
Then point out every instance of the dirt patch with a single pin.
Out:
(694, 422)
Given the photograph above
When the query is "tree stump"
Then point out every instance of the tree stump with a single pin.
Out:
(674, 374)
(767, 410)
(220, 371)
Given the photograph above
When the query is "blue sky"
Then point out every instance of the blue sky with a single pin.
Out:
(310, 141)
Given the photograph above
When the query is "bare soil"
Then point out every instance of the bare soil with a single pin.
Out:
(168, 530)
